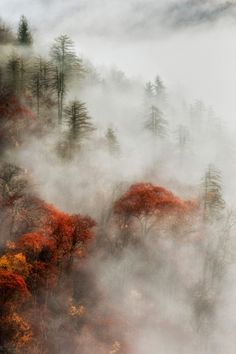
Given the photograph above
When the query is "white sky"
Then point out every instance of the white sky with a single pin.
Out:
(141, 38)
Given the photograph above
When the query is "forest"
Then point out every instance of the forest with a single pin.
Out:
(116, 209)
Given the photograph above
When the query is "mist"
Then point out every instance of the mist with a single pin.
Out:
(155, 280)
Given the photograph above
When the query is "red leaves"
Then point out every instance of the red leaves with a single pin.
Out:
(82, 228)
(15, 120)
(11, 108)
(68, 230)
(146, 199)
(33, 243)
(42, 276)
(12, 287)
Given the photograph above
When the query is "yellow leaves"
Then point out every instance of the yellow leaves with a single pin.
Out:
(76, 311)
(22, 329)
(116, 347)
(15, 263)
(10, 245)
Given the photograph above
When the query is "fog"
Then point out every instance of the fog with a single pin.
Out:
(159, 286)
(183, 41)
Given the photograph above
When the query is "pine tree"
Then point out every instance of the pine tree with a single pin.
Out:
(14, 73)
(182, 137)
(156, 122)
(66, 62)
(40, 82)
(149, 94)
(159, 88)
(213, 202)
(17, 75)
(112, 142)
(24, 33)
(6, 35)
(78, 123)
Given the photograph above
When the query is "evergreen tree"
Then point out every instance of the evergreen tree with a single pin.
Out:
(159, 88)
(112, 142)
(78, 122)
(16, 70)
(182, 137)
(66, 62)
(14, 74)
(156, 122)
(197, 115)
(40, 83)
(6, 35)
(213, 202)
(24, 33)
(149, 94)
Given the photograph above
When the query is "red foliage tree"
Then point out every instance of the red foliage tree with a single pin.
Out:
(145, 201)
(69, 232)
(42, 276)
(34, 244)
(12, 288)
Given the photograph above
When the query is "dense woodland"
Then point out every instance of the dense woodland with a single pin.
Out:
(107, 244)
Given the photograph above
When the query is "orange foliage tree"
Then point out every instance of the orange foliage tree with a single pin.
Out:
(148, 204)
(69, 233)
(12, 288)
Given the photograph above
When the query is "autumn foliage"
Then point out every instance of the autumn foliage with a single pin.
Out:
(143, 199)
(36, 264)
(15, 120)
(12, 288)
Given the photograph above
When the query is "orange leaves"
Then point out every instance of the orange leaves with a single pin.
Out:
(15, 263)
(143, 199)
(10, 107)
(33, 243)
(15, 119)
(68, 231)
(42, 276)
(12, 287)
(82, 228)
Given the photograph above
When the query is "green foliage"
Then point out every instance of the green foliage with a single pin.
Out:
(213, 202)
(6, 35)
(24, 34)
(182, 137)
(112, 142)
(40, 82)
(66, 62)
(156, 123)
(149, 94)
(159, 88)
(78, 122)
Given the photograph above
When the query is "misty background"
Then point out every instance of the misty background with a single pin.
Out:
(192, 46)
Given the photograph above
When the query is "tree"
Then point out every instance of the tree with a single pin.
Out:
(156, 123)
(149, 94)
(67, 231)
(12, 288)
(66, 62)
(213, 202)
(36, 246)
(112, 142)
(13, 184)
(6, 35)
(24, 33)
(78, 122)
(159, 88)
(143, 199)
(13, 73)
(148, 204)
(15, 263)
(40, 82)
(182, 136)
